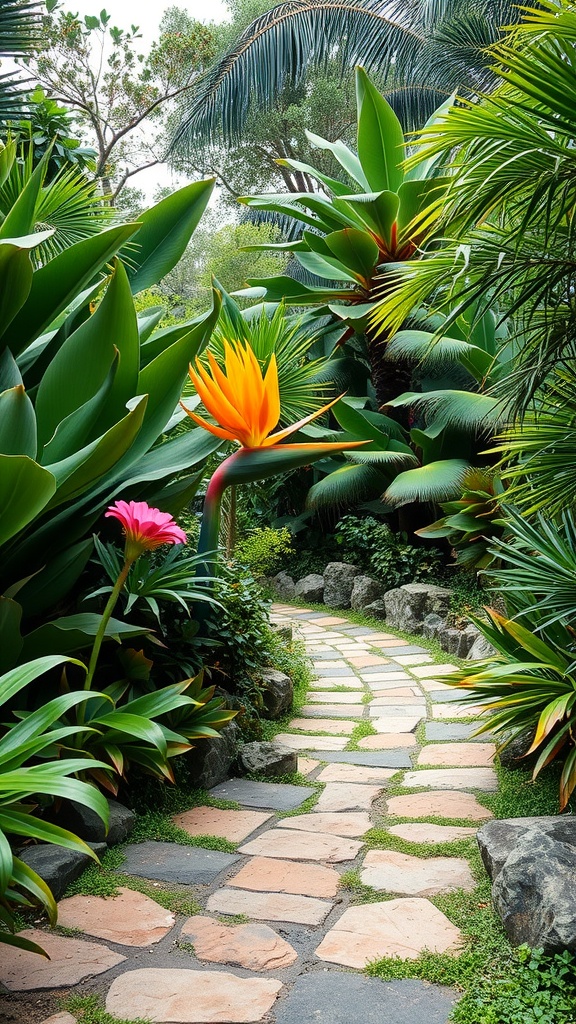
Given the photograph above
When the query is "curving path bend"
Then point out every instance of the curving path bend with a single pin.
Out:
(280, 940)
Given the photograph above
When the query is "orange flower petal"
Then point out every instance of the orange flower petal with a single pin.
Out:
(218, 431)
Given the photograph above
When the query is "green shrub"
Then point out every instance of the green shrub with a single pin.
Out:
(539, 989)
(373, 547)
(264, 551)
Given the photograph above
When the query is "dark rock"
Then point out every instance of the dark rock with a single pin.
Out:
(170, 862)
(276, 796)
(284, 586)
(365, 591)
(211, 760)
(269, 759)
(432, 625)
(499, 838)
(377, 609)
(513, 754)
(338, 584)
(481, 649)
(533, 892)
(278, 692)
(458, 642)
(57, 866)
(337, 997)
(311, 588)
(408, 606)
(84, 822)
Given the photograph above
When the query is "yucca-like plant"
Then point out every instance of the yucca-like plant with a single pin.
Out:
(472, 522)
(529, 684)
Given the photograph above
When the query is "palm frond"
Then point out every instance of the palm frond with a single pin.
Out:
(439, 481)
(20, 25)
(280, 46)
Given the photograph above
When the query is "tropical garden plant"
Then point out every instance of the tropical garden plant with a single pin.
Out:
(29, 769)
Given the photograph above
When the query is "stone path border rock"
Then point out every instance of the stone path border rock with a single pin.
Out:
(278, 934)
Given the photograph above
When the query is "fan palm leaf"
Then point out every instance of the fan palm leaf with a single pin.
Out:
(19, 31)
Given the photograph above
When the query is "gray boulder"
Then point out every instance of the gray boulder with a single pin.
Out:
(457, 641)
(534, 892)
(408, 606)
(278, 692)
(481, 649)
(57, 866)
(513, 754)
(86, 824)
(377, 609)
(365, 591)
(310, 588)
(497, 839)
(338, 584)
(211, 760)
(283, 586)
(269, 759)
(432, 625)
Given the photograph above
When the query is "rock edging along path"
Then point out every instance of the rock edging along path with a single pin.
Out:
(278, 934)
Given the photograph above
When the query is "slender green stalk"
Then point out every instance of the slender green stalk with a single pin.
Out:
(106, 614)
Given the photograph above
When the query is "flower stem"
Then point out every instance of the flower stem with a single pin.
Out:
(111, 604)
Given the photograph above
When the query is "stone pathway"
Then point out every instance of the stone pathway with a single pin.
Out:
(278, 935)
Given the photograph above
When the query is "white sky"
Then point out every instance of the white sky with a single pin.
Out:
(147, 15)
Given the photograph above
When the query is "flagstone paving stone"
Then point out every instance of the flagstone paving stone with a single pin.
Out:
(270, 906)
(340, 673)
(226, 824)
(404, 723)
(323, 725)
(391, 871)
(173, 996)
(71, 961)
(351, 683)
(307, 765)
(293, 844)
(388, 741)
(364, 660)
(267, 874)
(381, 680)
(432, 685)
(356, 774)
(313, 743)
(416, 832)
(350, 824)
(445, 669)
(378, 710)
(446, 804)
(329, 663)
(453, 778)
(335, 997)
(327, 620)
(253, 946)
(335, 698)
(386, 694)
(444, 731)
(411, 659)
(333, 710)
(450, 693)
(262, 794)
(397, 700)
(170, 862)
(400, 927)
(60, 1018)
(457, 711)
(456, 755)
(342, 796)
(130, 918)
(372, 758)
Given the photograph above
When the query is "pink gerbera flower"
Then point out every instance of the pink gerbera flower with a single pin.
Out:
(145, 528)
